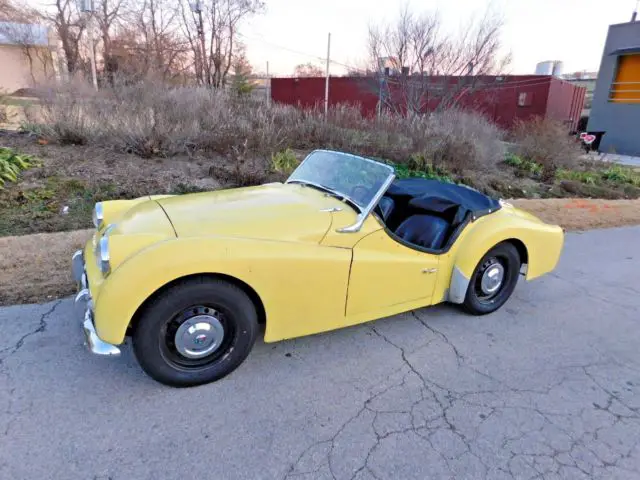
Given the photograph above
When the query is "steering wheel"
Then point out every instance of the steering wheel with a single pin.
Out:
(360, 192)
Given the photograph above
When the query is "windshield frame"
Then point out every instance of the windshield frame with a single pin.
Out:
(363, 210)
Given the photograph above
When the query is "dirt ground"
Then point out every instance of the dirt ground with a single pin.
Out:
(583, 214)
(37, 268)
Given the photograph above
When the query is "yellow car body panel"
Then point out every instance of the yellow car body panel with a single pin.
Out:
(298, 296)
(386, 274)
(543, 244)
(265, 212)
(283, 242)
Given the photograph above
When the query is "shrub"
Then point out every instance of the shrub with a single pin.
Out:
(525, 166)
(284, 162)
(546, 142)
(153, 119)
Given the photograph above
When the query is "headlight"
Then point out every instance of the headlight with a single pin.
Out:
(102, 256)
(98, 215)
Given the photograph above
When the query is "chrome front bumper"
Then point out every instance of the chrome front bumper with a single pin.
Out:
(84, 310)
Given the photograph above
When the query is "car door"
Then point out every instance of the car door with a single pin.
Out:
(387, 275)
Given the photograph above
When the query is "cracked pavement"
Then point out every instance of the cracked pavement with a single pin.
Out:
(546, 388)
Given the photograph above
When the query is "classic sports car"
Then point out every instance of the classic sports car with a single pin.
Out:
(190, 278)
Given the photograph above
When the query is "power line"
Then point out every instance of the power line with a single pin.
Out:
(306, 54)
(496, 85)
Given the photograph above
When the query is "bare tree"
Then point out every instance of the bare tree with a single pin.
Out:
(69, 25)
(211, 28)
(149, 42)
(420, 65)
(107, 14)
(308, 70)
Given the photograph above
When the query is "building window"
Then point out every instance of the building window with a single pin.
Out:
(525, 99)
(626, 86)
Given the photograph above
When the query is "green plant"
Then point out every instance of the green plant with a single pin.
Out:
(11, 164)
(284, 162)
(427, 171)
(590, 178)
(513, 160)
(524, 164)
(613, 174)
(618, 174)
(547, 143)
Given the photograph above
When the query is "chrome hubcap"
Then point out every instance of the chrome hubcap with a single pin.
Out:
(199, 336)
(492, 279)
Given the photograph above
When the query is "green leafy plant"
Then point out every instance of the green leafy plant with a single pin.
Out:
(614, 174)
(11, 164)
(427, 171)
(514, 160)
(284, 162)
(621, 174)
(590, 178)
(523, 164)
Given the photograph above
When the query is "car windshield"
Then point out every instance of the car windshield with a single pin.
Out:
(355, 178)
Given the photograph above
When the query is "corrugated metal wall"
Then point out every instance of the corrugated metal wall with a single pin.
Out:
(502, 99)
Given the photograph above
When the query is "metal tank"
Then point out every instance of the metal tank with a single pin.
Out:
(545, 68)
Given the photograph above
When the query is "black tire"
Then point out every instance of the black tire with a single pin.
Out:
(202, 298)
(479, 302)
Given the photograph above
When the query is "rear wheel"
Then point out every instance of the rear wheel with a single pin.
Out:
(195, 332)
(494, 280)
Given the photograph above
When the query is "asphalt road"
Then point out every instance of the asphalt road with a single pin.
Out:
(548, 387)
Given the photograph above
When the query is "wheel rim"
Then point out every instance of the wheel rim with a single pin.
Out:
(197, 337)
(490, 279)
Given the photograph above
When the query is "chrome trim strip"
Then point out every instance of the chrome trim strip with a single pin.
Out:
(364, 211)
(362, 216)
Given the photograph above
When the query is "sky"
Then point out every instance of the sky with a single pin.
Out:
(291, 32)
(573, 31)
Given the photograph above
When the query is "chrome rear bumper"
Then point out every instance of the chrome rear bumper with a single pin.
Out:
(84, 310)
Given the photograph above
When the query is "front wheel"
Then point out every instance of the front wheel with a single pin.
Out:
(494, 280)
(195, 332)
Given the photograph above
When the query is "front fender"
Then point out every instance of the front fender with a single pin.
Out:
(298, 297)
(542, 242)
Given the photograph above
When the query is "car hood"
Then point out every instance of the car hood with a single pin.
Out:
(283, 212)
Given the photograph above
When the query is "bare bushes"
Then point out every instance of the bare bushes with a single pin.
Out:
(152, 119)
(547, 143)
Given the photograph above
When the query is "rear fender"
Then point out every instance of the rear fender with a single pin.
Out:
(543, 244)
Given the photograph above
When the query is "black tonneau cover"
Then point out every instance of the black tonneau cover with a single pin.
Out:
(468, 198)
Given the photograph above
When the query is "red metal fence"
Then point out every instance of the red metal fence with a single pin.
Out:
(503, 99)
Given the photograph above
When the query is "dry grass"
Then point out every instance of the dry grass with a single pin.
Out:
(152, 119)
(546, 143)
(36, 268)
(583, 214)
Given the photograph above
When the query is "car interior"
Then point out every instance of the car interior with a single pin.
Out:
(428, 214)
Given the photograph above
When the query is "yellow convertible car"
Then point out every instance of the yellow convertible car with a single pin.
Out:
(191, 278)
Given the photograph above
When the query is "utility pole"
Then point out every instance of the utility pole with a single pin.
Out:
(86, 7)
(326, 82)
(634, 15)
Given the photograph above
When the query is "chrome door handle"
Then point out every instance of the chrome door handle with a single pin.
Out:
(429, 270)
